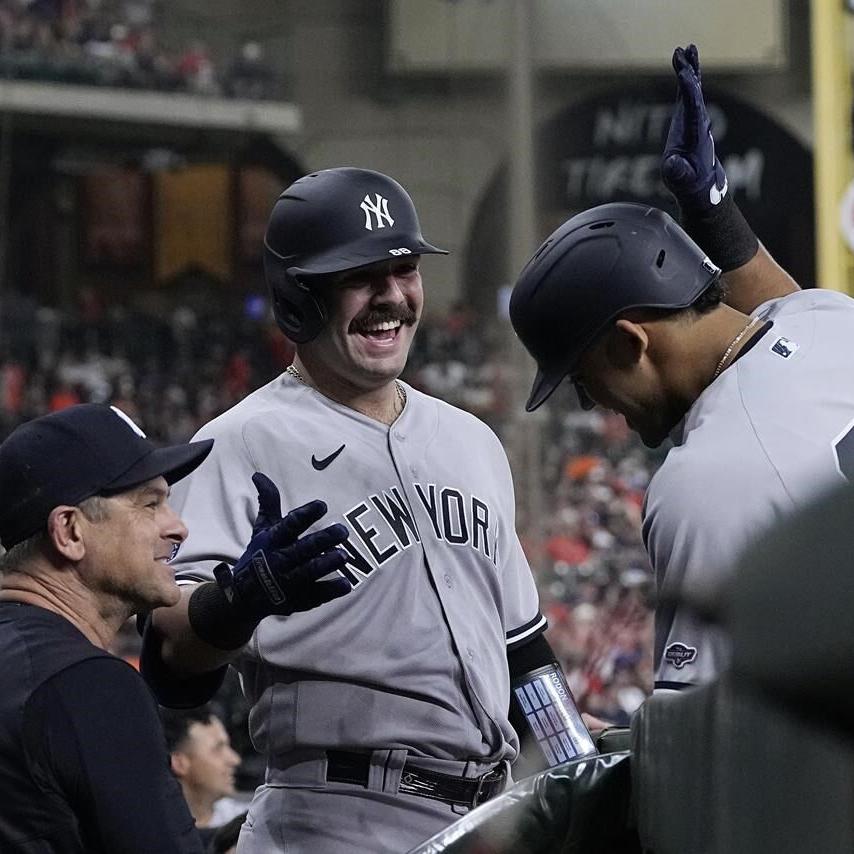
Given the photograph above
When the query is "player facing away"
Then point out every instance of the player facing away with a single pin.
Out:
(749, 376)
(384, 715)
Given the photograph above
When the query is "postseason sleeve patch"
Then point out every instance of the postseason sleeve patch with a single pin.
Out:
(679, 654)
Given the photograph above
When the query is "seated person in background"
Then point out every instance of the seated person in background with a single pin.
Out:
(204, 762)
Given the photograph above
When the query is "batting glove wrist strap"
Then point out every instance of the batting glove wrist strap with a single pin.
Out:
(214, 620)
(723, 234)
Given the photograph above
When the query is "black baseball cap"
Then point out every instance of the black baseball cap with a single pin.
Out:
(75, 453)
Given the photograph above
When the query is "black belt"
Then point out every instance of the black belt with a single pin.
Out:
(346, 767)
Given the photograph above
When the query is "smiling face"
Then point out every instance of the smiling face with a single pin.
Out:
(373, 314)
(128, 548)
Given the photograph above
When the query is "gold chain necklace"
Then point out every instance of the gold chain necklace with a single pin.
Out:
(294, 371)
(732, 345)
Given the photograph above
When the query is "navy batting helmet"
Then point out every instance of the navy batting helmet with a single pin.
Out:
(328, 222)
(595, 266)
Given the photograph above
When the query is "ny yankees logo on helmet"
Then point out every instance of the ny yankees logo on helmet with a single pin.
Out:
(379, 208)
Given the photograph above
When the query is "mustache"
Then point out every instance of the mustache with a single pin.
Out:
(370, 318)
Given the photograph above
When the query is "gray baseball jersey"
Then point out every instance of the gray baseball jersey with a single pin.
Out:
(765, 438)
(415, 656)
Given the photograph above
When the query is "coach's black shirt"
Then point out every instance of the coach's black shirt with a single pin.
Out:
(83, 760)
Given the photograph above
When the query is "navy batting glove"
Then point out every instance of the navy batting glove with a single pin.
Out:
(280, 572)
(689, 166)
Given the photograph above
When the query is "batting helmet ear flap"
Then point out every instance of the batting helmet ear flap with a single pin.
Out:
(298, 312)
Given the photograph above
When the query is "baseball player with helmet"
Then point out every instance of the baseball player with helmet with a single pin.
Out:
(748, 375)
(384, 715)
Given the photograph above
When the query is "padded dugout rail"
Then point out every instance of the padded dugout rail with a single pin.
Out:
(581, 807)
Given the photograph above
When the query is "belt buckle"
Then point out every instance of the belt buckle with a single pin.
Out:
(489, 777)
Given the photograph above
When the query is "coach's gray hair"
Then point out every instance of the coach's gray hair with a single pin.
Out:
(95, 509)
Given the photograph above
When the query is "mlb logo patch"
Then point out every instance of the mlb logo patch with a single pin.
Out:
(784, 347)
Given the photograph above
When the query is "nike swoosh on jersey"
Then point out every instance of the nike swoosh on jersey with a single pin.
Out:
(320, 465)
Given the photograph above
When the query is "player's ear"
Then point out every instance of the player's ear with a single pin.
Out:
(180, 763)
(627, 344)
(65, 531)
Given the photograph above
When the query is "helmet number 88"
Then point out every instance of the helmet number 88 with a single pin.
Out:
(402, 251)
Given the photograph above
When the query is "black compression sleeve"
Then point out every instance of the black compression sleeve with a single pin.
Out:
(94, 734)
(183, 691)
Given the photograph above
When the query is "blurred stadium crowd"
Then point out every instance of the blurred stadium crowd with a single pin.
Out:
(119, 43)
(174, 374)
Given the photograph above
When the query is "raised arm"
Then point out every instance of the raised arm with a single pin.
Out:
(692, 172)
(281, 571)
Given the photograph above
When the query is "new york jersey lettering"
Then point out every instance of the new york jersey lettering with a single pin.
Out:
(384, 525)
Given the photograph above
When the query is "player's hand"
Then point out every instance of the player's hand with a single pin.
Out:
(594, 725)
(281, 570)
(689, 167)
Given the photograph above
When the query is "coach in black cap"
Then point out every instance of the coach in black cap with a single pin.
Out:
(88, 535)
